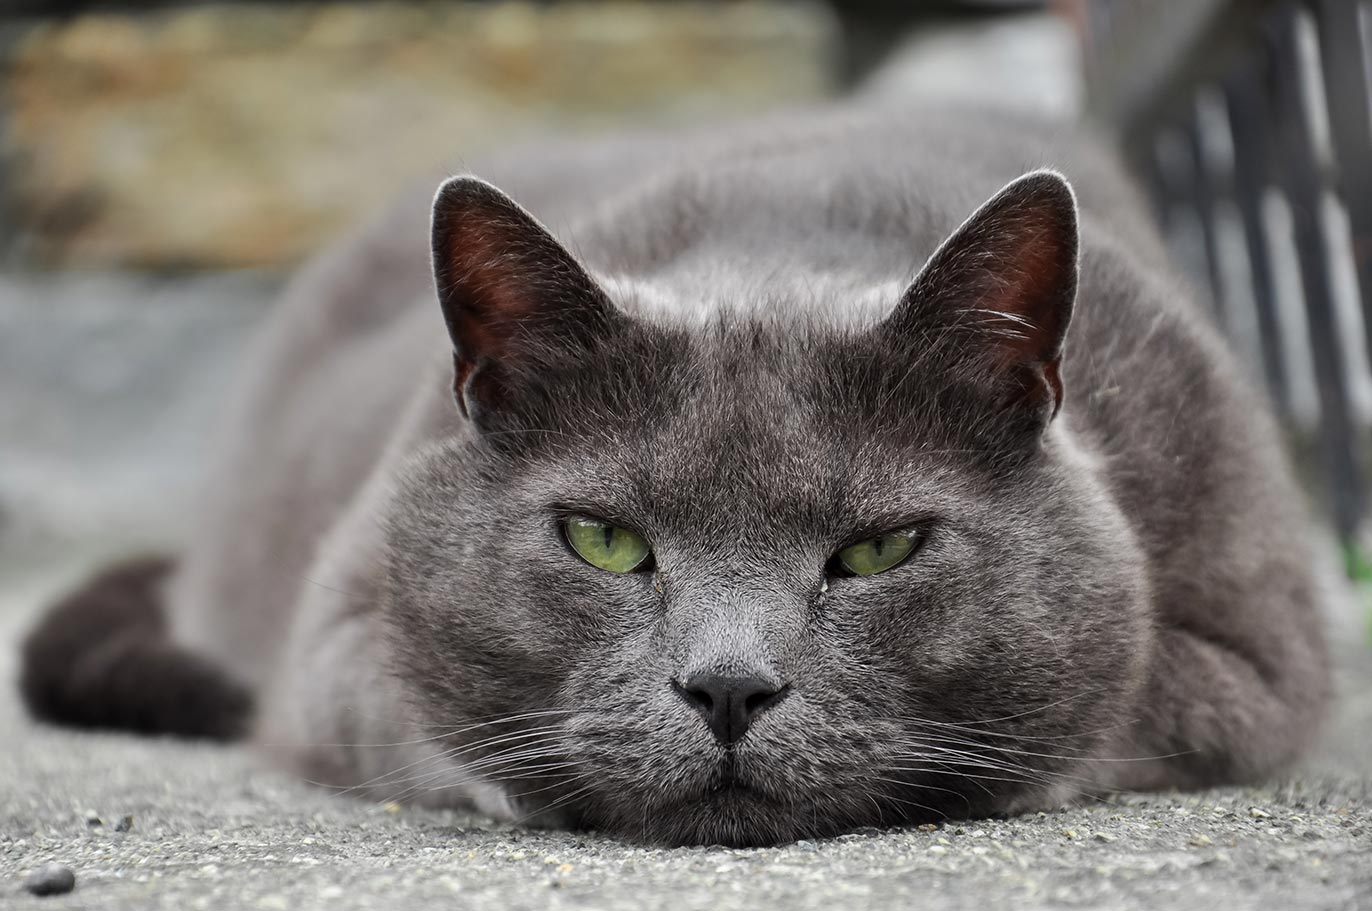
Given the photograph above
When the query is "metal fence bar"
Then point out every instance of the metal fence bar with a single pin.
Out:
(1298, 167)
(1202, 196)
(1248, 119)
(1345, 64)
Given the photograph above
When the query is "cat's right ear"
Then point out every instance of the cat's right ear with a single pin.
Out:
(513, 298)
(998, 295)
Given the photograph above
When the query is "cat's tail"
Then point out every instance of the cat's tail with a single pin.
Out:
(102, 657)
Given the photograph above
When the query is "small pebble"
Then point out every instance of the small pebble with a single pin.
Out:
(124, 824)
(93, 819)
(53, 879)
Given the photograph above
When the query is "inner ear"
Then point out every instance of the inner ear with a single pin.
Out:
(513, 298)
(1001, 289)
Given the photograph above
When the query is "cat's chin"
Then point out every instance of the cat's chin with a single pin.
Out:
(735, 817)
(732, 815)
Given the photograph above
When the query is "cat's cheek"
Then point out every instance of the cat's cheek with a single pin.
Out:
(589, 608)
(919, 617)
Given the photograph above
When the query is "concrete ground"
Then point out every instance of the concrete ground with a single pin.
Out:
(212, 829)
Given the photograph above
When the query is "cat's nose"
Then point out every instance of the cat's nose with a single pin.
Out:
(729, 703)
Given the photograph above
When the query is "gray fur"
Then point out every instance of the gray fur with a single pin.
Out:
(1113, 597)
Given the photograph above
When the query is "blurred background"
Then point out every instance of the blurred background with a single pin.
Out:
(164, 165)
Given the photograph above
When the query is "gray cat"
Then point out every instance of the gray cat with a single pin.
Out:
(829, 472)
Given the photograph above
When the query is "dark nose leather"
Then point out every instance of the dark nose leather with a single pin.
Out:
(727, 703)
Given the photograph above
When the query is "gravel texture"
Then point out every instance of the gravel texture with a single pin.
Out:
(210, 828)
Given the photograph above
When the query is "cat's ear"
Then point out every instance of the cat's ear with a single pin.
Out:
(999, 293)
(513, 298)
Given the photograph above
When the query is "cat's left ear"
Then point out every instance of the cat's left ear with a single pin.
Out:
(513, 298)
(1000, 292)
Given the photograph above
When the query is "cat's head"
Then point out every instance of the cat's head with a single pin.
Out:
(759, 577)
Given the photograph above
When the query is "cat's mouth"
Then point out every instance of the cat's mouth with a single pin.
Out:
(742, 800)
(729, 787)
(748, 794)
(732, 785)
(730, 778)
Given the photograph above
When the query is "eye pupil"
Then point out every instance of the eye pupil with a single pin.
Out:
(877, 554)
(607, 546)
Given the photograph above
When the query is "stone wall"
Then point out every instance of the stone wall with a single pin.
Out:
(230, 135)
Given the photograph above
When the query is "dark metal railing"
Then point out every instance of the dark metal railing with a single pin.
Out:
(1250, 122)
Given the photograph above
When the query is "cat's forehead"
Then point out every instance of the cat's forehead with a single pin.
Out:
(695, 294)
(750, 429)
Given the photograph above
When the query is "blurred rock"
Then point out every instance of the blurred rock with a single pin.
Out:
(231, 135)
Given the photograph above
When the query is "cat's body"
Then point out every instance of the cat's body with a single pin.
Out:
(1120, 597)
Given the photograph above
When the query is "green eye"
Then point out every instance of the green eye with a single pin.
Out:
(606, 546)
(876, 555)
